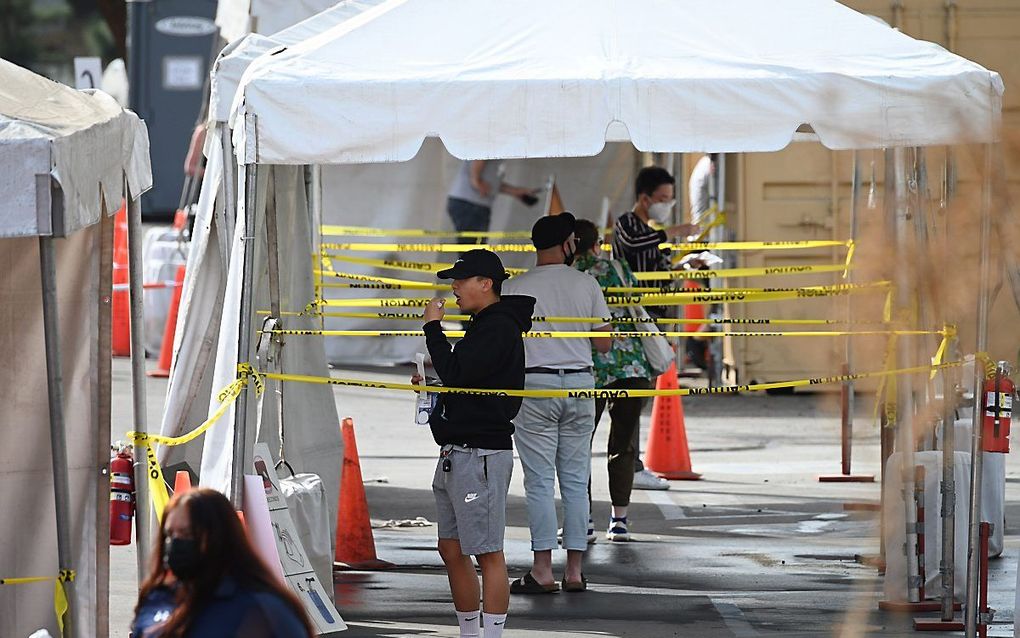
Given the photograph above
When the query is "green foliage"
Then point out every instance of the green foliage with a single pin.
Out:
(17, 43)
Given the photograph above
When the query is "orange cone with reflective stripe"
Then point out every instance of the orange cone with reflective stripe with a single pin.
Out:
(120, 304)
(166, 351)
(355, 546)
(667, 454)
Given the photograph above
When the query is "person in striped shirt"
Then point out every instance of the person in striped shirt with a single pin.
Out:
(637, 243)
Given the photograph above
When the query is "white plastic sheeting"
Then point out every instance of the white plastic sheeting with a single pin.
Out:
(83, 139)
(531, 78)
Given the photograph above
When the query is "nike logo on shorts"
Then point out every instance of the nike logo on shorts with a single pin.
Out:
(470, 497)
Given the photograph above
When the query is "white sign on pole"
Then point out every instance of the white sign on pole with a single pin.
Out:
(88, 73)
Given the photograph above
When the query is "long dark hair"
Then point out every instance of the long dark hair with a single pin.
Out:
(226, 553)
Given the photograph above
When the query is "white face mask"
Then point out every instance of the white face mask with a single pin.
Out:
(659, 211)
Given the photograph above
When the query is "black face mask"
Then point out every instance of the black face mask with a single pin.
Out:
(181, 556)
(568, 258)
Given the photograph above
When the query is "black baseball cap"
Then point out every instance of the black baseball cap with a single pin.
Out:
(552, 230)
(476, 263)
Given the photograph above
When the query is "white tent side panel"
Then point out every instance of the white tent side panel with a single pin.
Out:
(28, 523)
(311, 425)
(237, 18)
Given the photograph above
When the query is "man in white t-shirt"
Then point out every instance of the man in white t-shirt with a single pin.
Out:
(553, 435)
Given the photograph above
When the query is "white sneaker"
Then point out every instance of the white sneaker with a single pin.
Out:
(617, 531)
(645, 480)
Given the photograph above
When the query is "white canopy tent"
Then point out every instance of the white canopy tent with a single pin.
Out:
(387, 195)
(530, 79)
(67, 160)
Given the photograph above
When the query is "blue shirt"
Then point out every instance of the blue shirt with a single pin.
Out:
(233, 611)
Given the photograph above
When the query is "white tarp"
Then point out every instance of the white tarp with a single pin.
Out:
(531, 78)
(237, 18)
(90, 147)
(83, 139)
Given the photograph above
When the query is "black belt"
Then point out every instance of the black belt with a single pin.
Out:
(540, 370)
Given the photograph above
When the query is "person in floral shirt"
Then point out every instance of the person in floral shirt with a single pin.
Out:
(623, 367)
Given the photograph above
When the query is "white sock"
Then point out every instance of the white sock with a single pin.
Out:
(469, 625)
(493, 624)
(619, 512)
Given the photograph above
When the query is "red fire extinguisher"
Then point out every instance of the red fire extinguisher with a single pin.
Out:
(122, 496)
(998, 391)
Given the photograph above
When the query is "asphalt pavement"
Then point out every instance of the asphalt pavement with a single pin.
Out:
(757, 547)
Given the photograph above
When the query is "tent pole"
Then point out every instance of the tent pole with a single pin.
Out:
(104, 380)
(58, 436)
(976, 455)
(848, 418)
(904, 390)
(244, 333)
(143, 507)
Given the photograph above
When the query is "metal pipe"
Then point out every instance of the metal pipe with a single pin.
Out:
(976, 456)
(276, 347)
(239, 450)
(143, 506)
(104, 367)
(848, 418)
(58, 436)
(948, 511)
(905, 282)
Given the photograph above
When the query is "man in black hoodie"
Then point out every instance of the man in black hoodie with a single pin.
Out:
(473, 473)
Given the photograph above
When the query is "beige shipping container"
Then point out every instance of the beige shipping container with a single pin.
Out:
(804, 192)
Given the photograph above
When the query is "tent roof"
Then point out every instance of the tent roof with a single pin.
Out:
(83, 139)
(238, 55)
(237, 18)
(530, 78)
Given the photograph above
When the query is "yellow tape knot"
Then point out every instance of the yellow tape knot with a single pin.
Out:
(989, 365)
(66, 575)
(246, 371)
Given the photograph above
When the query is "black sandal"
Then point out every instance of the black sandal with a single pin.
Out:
(581, 585)
(528, 585)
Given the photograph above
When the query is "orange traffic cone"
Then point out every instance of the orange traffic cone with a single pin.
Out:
(355, 546)
(120, 308)
(166, 350)
(182, 482)
(667, 454)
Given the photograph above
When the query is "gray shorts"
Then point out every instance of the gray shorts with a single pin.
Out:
(471, 497)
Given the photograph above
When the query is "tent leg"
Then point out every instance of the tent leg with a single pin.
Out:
(240, 453)
(976, 456)
(104, 365)
(948, 567)
(143, 507)
(58, 436)
(904, 391)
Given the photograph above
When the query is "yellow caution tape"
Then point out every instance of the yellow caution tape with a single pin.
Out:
(593, 393)
(226, 397)
(948, 333)
(375, 282)
(719, 219)
(991, 368)
(59, 594)
(364, 231)
(653, 299)
(528, 248)
(584, 334)
(849, 258)
(724, 273)
(665, 321)
(665, 275)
